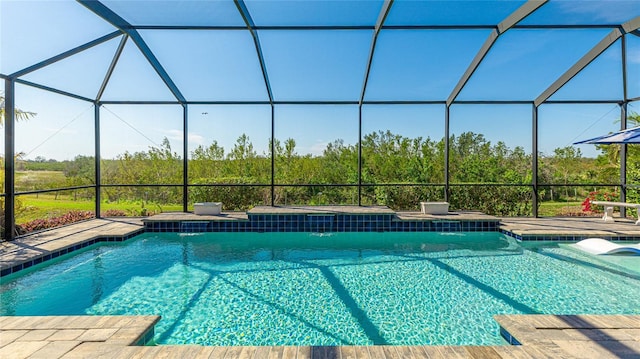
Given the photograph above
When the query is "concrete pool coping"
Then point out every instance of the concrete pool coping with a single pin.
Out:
(539, 341)
(541, 336)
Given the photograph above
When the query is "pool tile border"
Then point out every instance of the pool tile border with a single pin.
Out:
(69, 249)
(147, 337)
(316, 222)
(550, 237)
(326, 222)
(508, 337)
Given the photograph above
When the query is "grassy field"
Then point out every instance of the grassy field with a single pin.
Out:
(41, 176)
(46, 205)
(551, 209)
(31, 180)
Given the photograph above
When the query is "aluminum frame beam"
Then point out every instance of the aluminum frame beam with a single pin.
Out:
(246, 16)
(523, 11)
(447, 161)
(623, 58)
(9, 158)
(112, 66)
(185, 158)
(623, 159)
(364, 103)
(66, 54)
(534, 160)
(624, 154)
(595, 51)
(384, 11)
(54, 90)
(631, 25)
(114, 19)
(97, 167)
(369, 27)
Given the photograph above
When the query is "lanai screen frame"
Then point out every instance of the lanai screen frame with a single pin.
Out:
(128, 32)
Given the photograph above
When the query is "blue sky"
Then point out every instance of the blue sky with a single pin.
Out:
(311, 65)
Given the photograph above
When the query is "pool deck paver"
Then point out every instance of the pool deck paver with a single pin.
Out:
(188, 216)
(570, 226)
(541, 336)
(451, 216)
(580, 336)
(70, 336)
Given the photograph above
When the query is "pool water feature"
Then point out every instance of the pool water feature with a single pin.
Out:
(326, 288)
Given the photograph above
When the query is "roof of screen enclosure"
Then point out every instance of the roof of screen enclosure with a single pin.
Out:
(251, 39)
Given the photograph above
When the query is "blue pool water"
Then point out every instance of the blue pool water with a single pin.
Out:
(329, 289)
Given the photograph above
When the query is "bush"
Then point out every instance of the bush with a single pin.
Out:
(598, 196)
(233, 198)
(512, 201)
(67, 218)
(114, 213)
(402, 198)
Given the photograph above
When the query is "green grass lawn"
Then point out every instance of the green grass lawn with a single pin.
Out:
(563, 209)
(551, 209)
(46, 205)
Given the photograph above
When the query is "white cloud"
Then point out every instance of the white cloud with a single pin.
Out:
(196, 139)
(633, 55)
(318, 148)
(176, 135)
(611, 11)
(172, 134)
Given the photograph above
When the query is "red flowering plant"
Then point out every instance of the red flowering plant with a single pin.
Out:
(46, 223)
(597, 196)
(586, 204)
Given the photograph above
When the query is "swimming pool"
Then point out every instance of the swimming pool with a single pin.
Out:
(326, 289)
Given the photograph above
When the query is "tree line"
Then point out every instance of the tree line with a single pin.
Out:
(397, 171)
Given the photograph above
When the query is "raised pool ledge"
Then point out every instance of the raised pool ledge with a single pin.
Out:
(322, 219)
(568, 229)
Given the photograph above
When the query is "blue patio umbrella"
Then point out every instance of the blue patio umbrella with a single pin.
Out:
(631, 135)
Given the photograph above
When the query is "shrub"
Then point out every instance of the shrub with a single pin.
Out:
(233, 198)
(67, 218)
(114, 213)
(597, 196)
(497, 201)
